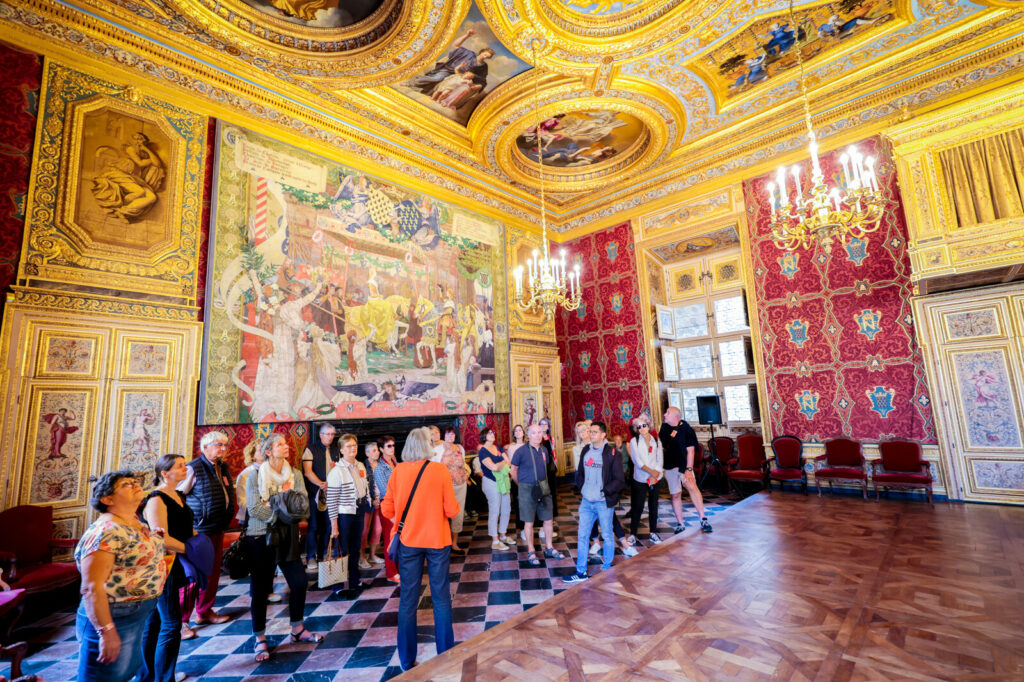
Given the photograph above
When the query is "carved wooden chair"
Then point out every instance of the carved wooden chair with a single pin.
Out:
(842, 462)
(788, 459)
(901, 466)
(26, 545)
(751, 464)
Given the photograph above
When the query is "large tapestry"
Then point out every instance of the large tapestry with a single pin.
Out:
(20, 77)
(837, 334)
(604, 372)
(335, 295)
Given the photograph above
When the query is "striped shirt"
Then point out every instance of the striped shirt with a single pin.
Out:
(343, 490)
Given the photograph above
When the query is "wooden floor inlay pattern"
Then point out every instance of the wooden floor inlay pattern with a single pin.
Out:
(787, 587)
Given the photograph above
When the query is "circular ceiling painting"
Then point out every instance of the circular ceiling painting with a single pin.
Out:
(318, 13)
(580, 139)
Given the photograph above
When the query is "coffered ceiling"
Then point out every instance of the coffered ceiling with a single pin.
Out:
(635, 100)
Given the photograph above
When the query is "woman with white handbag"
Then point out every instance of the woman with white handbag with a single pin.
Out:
(348, 501)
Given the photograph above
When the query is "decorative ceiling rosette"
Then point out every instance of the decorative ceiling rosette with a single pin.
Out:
(587, 141)
(341, 45)
(584, 34)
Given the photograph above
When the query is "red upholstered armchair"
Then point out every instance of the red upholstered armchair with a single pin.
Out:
(751, 463)
(901, 466)
(788, 459)
(26, 543)
(723, 447)
(841, 462)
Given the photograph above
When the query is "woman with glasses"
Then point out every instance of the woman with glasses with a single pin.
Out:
(123, 574)
(648, 471)
(348, 501)
(382, 477)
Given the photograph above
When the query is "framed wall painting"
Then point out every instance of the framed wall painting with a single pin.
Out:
(669, 363)
(666, 322)
(675, 398)
(530, 406)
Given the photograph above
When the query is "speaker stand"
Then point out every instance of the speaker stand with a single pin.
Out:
(713, 463)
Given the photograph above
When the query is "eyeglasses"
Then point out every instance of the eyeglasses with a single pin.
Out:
(389, 445)
(643, 426)
(127, 483)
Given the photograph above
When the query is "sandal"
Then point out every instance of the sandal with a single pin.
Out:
(532, 559)
(552, 553)
(262, 651)
(305, 635)
(187, 632)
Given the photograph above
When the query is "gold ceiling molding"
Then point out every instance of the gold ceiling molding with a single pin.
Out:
(393, 134)
(387, 46)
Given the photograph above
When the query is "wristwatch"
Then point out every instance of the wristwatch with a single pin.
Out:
(104, 628)
(689, 468)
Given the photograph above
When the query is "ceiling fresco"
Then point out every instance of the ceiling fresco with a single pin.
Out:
(317, 13)
(472, 66)
(773, 45)
(679, 250)
(580, 139)
(637, 100)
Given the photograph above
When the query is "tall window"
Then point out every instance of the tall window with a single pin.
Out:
(711, 340)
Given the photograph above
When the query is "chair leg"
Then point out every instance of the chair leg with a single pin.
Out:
(876, 492)
(818, 484)
(864, 489)
(928, 492)
(804, 484)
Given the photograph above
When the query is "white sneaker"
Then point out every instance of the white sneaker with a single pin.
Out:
(655, 539)
(595, 548)
(631, 540)
(630, 551)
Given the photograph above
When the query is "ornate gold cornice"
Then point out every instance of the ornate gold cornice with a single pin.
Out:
(106, 305)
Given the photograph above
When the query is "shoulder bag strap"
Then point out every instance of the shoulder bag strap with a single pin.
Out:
(533, 460)
(401, 523)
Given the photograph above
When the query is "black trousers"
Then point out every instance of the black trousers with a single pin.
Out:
(262, 561)
(640, 492)
(349, 543)
(318, 532)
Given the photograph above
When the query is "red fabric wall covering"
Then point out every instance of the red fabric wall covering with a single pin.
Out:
(20, 77)
(601, 345)
(845, 378)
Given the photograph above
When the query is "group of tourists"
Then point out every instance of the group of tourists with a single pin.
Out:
(152, 561)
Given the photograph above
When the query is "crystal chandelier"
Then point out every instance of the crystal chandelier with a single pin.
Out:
(820, 214)
(548, 283)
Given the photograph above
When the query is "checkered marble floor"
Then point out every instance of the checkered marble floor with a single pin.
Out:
(488, 588)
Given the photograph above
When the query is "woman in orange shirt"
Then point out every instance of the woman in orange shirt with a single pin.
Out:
(425, 537)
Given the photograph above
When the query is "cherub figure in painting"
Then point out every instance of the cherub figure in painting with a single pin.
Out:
(60, 429)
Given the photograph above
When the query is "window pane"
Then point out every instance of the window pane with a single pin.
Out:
(733, 356)
(695, 363)
(690, 401)
(691, 321)
(737, 403)
(730, 315)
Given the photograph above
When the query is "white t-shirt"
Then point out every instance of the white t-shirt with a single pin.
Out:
(646, 455)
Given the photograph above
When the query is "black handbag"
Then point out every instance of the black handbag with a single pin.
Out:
(393, 546)
(541, 488)
(236, 559)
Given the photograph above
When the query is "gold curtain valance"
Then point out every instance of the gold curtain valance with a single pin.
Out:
(984, 180)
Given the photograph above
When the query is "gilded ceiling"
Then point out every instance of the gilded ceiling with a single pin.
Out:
(630, 101)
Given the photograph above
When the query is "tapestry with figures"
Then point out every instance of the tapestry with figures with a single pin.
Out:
(336, 295)
(837, 333)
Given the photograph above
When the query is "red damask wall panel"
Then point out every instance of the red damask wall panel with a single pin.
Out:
(20, 76)
(839, 350)
(604, 372)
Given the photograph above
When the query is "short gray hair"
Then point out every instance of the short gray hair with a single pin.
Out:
(268, 443)
(211, 437)
(417, 445)
(369, 446)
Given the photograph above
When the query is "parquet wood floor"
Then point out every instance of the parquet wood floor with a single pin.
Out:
(787, 587)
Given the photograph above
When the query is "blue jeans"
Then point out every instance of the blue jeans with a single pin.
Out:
(162, 638)
(129, 620)
(602, 513)
(410, 568)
